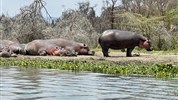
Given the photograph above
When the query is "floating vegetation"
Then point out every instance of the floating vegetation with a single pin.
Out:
(156, 70)
(176, 93)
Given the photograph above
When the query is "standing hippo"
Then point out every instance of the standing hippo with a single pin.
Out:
(116, 39)
(39, 47)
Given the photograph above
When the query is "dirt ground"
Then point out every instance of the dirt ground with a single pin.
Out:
(120, 58)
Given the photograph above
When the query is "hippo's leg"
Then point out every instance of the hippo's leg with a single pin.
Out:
(105, 51)
(42, 53)
(129, 51)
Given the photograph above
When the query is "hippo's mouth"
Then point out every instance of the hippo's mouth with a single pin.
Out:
(91, 52)
(5, 54)
(150, 49)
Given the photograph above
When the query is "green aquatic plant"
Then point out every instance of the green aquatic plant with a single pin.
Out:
(166, 70)
(156, 70)
(176, 93)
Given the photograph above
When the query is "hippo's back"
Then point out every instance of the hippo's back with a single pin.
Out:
(60, 42)
(66, 44)
(117, 35)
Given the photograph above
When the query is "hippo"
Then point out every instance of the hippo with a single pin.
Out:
(6, 52)
(14, 46)
(117, 39)
(40, 47)
(80, 48)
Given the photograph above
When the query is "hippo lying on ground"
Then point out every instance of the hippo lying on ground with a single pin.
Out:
(37, 47)
(6, 52)
(40, 47)
(15, 47)
(116, 39)
(80, 48)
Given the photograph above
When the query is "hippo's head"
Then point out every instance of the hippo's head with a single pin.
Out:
(146, 43)
(84, 50)
(5, 52)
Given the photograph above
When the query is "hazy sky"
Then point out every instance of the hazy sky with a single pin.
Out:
(54, 7)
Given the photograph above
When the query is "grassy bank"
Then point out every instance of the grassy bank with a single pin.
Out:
(100, 66)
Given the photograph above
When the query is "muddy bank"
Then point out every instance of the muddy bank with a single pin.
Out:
(117, 57)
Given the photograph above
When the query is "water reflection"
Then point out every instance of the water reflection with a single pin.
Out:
(50, 84)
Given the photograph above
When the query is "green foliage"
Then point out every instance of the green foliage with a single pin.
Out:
(171, 16)
(176, 93)
(158, 70)
(167, 70)
(174, 42)
(137, 23)
(154, 28)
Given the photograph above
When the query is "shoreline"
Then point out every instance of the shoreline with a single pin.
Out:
(116, 57)
(146, 65)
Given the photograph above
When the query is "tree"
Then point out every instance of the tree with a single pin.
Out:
(148, 8)
(88, 10)
(6, 23)
(76, 26)
(30, 22)
(110, 6)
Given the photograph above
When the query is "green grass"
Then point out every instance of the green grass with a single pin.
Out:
(156, 70)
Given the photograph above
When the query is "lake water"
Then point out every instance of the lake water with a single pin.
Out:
(52, 84)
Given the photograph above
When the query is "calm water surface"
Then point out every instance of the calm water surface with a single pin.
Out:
(52, 84)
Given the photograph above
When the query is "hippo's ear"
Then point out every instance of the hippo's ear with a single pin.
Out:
(143, 43)
(84, 45)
